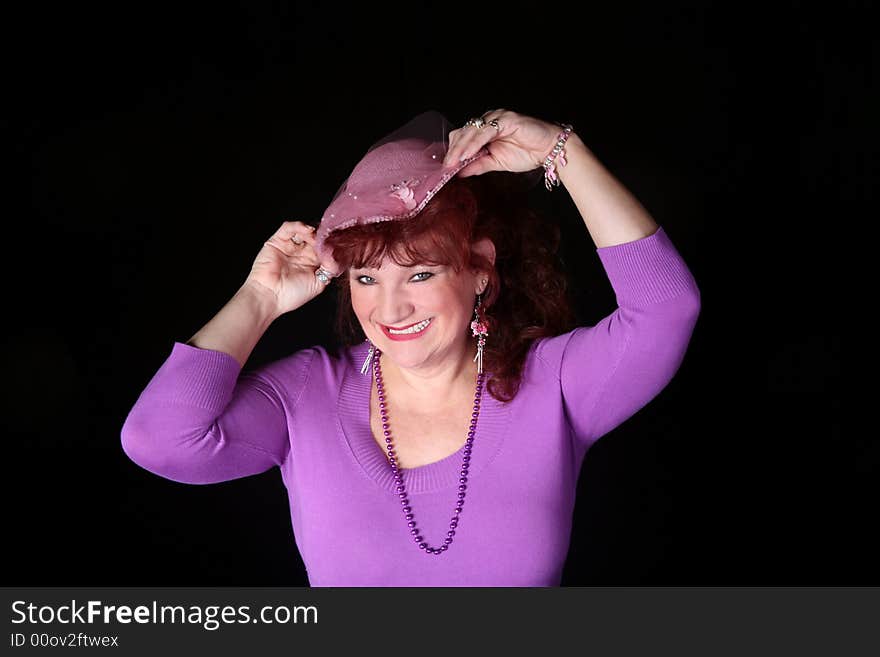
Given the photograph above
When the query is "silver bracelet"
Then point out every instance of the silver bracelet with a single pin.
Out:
(551, 179)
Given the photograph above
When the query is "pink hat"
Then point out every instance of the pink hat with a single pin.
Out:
(395, 179)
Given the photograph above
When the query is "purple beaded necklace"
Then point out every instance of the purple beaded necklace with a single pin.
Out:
(398, 479)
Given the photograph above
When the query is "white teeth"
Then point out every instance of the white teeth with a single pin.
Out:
(421, 326)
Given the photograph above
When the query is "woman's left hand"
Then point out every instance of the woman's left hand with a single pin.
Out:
(519, 143)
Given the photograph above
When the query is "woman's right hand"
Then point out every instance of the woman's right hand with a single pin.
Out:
(287, 269)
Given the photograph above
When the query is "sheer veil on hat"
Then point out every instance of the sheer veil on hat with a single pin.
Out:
(396, 177)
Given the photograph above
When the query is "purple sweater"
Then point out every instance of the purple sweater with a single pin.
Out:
(200, 420)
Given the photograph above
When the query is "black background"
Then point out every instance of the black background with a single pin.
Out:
(154, 148)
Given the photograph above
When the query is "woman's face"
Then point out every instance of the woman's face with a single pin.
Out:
(397, 297)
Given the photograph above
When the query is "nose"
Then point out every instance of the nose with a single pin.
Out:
(395, 308)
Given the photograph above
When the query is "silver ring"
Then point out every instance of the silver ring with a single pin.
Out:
(477, 123)
(323, 275)
(494, 124)
(296, 239)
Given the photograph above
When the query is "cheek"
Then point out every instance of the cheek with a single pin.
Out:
(358, 303)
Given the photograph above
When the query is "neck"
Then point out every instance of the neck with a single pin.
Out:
(431, 385)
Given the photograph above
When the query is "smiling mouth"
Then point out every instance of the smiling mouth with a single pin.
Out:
(412, 328)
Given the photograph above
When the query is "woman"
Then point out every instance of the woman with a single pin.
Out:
(399, 470)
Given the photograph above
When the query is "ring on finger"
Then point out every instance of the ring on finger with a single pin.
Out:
(296, 239)
(323, 275)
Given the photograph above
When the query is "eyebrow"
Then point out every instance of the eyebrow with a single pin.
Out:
(416, 266)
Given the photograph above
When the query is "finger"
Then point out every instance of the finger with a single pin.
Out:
(330, 266)
(291, 233)
(479, 166)
(328, 263)
(301, 237)
(308, 246)
(460, 139)
(470, 139)
(453, 137)
(282, 240)
(287, 247)
(289, 228)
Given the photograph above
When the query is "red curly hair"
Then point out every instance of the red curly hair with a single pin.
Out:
(527, 293)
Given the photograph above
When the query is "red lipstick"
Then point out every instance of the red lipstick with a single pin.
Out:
(406, 336)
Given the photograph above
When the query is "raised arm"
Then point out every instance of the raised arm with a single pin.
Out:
(608, 371)
(200, 420)
(611, 370)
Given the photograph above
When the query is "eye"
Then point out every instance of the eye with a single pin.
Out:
(421, 273)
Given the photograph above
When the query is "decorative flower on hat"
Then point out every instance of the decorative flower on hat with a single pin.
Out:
(404, 192)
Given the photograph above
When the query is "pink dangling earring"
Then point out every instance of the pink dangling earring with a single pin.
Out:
(480, 329)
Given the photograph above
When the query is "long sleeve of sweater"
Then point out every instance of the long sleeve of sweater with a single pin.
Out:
(609, 371)
(200, 420)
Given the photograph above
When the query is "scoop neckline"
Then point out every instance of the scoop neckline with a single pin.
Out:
(354, 414)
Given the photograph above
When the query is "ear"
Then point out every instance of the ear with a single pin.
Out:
(486, 248)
